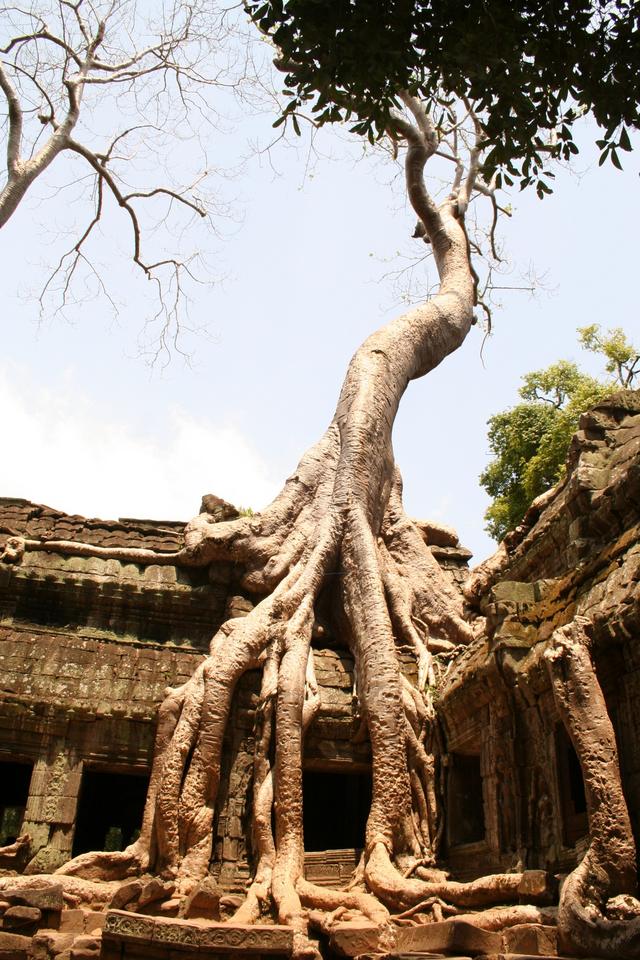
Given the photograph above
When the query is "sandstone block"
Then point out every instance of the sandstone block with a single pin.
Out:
(449, 935)
(13, 946)
(72, 921)
(155, 890)
(204, 901)
(85, 948)
(94, 921)
(47, 944)
(22, 919)
(531, 938)
(535, 885)
(43, 895)
(354, 938)
(128, 926)
(240, 939)
(126, 894)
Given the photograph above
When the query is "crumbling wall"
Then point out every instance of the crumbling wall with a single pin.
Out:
(576, 553)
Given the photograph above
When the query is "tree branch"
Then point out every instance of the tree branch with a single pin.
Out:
(14, 142)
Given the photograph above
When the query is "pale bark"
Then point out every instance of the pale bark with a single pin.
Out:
(340, 514)
(598, 913)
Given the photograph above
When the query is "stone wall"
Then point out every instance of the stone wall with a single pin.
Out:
(88, 646)
(577, 553)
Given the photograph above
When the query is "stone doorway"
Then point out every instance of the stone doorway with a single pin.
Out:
(110, 807)
(336, 807)
(15, 778)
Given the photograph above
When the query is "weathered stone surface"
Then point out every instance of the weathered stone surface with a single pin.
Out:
(49, 943)
(21, 919)
(193, 935)
(126, 894)
(152, 891)
(125, 926)
(43, 895)
(13, 946)
(204, 901)
(355, 938)
(72, 921)
(449, 935)
(530, 938)
(535, 885)
(85, 948)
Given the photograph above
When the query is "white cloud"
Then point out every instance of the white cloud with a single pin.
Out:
(61, 449)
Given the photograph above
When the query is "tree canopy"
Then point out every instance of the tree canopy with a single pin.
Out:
(528, 68)
(529, 442)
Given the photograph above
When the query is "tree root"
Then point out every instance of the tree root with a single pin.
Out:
(598, 912)
(337, 535)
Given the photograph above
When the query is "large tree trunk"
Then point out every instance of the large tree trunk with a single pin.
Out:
(598, 913)
(338, 532)
(341, 512)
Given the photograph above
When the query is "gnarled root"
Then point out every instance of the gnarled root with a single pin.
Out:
(598, 913)
(390, 593)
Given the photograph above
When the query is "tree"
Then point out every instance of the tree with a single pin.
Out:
(118, 89)
(530, 441)
(623, 358)
(336, 544)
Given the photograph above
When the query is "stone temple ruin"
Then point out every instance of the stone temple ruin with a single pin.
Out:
(88, 645)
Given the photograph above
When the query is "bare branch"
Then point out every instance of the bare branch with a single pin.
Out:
(14, 142)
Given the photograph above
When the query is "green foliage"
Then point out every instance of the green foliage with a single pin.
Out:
(529, 67)
(623, 359)
(530, 441)
(514, 438)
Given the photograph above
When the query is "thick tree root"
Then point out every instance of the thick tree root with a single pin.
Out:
(598, 913)
(336, 536)
(391, 592)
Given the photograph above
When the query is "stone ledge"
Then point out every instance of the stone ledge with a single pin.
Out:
(197, 936)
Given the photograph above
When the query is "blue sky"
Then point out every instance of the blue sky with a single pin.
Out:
(87, 427)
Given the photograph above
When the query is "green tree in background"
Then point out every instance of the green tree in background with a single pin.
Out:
(530, 441)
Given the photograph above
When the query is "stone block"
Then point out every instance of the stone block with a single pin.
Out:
(204, 901)
(13, 946)
(125, 894)
(242, 939)
(22, 919)
(155, 890)
(183, 937)
(175, 933)
(72, 921)
(354, 938)
(449, 935)
(535, 885)
(94, 921)
(47, 944)
(86, 946)
(45, 895)
(531, 938)
(127, 926)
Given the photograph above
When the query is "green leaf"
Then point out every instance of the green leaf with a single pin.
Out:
(624, 143)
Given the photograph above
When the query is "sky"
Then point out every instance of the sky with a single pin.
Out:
(302, 271)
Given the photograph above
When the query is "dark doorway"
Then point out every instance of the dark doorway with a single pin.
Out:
(14, 790)
(573, 800)
(110, 809)
(336, 807)
(465, 806)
